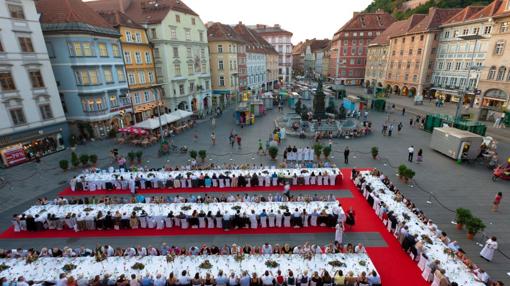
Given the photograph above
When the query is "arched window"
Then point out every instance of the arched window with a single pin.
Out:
(501, 73)
(492, 73)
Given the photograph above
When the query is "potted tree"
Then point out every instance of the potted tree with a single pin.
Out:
(84, 159)
(317, 149)
(131, 156)
(75, 161)
(474, 225)
(401, 171)
(193, 154)
(375, 152)
(462, 216)
(139, 155)
(326, 151)
(93, 160)
(202, 154)
(64, 165)
(409, 174)
(273, 152)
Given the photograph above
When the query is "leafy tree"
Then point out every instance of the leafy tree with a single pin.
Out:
(64, 164)
(75, 161)
(84, 159)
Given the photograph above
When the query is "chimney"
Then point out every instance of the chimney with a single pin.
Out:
(240, 23)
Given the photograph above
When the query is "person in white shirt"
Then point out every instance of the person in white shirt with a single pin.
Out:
(267, 279)
(267, 248)
(62, 281)
(184, 279)
(490, 247)
(410, 152)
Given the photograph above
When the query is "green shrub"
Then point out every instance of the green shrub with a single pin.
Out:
(193, 154)
(84, 159)
(93, 158)
(327, 151)
(475, 225)
(463, 215)
(64, 164)
(273, 152)
(75, 161)
(131, 156)
(317, 149)
(375, 152)
(139, 155)
(202, 154)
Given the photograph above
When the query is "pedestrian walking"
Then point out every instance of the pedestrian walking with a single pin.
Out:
(260, 151)
(419, 157)
(213, 123)
(411, 122)
(232, 140)
(384, 128)
(403, 111)
(339, 231)
(497, 201)
(489, 248)
(410, 152)
(399, 127)
(238, 138)
(497, 122)
(346, 154)
(213, 138)
(390, 129)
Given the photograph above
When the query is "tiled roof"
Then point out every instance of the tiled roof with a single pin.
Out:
(254, 42)
(489, 10)
(393, 29)
(465, 14)
(368, 21)
(69, 11)
(316, 45)
(221, 32)
(435, 18)
(117, 18)
(299, 48)
(269, 30)
(503, 9)
(143, 11)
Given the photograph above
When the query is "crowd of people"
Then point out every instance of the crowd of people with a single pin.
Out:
(259, 277)
(91, 219)
(412, 243)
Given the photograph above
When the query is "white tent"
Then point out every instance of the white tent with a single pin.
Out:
(171, 117)
(182, 113)
(151, 123)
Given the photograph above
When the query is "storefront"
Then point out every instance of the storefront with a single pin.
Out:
(20, 148)
(493, 104)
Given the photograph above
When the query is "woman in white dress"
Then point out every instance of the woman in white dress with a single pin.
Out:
(339, 231)
(488, 250)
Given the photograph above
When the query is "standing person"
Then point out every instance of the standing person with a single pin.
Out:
(213, 123)
(497, 122)
(346, 154)
(419, 157)
(238, 138)
(487, 252)
(350, 219)
(497, 201)
(213, 138)
(399, 127)
(232, 140)
(390, 129)
(339, 231)
(410, 152)
(411, 122)
(403, 111)
(261, 148)
(286, 190)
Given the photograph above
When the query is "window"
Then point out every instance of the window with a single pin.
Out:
(408, 66)
(191, 86)
(419, 51)
(188, 52)
(401, 52)
(141, 77)
(177, 18)
(181, 89)
(113, 101)
(177, 68)
(201, 36)
(403, 40)
(222, 81)
(188, 35)
(120, 75)
(176, 52)
(25, 44)
(94, 79)
(410, 51)
(415, 78)
(151, 77)
(87, 49)
(137, 98)
(17, 116)
(173, 33)
(36, 79)
(504, 27)
(156, 53)
(154, 33)
(487, 30)
(421, 37)
(129, 37)
(446, 34)
(500, 47)
(476, 31)
(492, 73)
(220, 49)
(190, 68)
(448, 66)
(131, 79)
(147, 96)
(220, 65)
(16, 11)
(138, 58)
(412, 39)
(458, 65)
(127, 58)
(193, 21)
(138, 37)
(46, 112)
(148, 58)
(108, 76)
(501, 73)
(202, 53)
(115, 51)
(7, 81)
(103, 51)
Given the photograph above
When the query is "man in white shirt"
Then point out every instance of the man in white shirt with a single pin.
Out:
(267, 279)
(267, 248)
(410, 151)
(62, 281)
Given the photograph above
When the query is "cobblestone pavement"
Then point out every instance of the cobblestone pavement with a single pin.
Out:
(440, 184)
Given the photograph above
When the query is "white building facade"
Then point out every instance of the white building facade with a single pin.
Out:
(32, 120)
(256, 76)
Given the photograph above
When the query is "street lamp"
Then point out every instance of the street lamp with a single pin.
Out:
(462, 92)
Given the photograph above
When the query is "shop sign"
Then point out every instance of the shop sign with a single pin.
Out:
(14, 156)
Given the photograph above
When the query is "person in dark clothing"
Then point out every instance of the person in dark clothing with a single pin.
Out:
(346, 155)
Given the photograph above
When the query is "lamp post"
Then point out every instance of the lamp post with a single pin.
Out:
(463, 90)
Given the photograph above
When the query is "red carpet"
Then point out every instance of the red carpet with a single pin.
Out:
(68, 193)
(10, 234)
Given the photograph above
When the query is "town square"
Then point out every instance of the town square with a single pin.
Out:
(149, 143)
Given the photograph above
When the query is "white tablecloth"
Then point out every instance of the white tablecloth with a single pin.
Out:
(162, 210)
(455, 269)
(48, 269)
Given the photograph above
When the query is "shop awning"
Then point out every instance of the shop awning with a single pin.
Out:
(133, 130)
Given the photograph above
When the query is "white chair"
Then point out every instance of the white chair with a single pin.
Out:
(184, 223)
(305, 220)
(221, 183)
(188, 181)
(143, 221)
(160, 223)
(201, 222)
(294, 181)
(227, 183)
(332, 180)
(286, 221)
(313, 220)
(426, 274)
(177, 222)
(177, 184)
(219, 222)
(325, 181)
(307, 180)
(271, 221)
(278, 221)
(248, 183)
(183, 183)
(275, 181)
(422, 262)
(215, 183)
(261, 183)
(210, 222)
(169, 222)
(263, 221)
(319, 180)
(268, 181)
(313, 180)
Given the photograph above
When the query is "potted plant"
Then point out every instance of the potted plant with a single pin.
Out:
(75, 161)
(409, 174)
(139, 155)
(93, 159)
(131, 156)
(64, 165)
(474, 225)
(202, 154)
(273, 152)
(375, 152)
(84, 159)
(317, 149)
(401, 171)
(193, 154)
(326, 151)
(462, 216)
